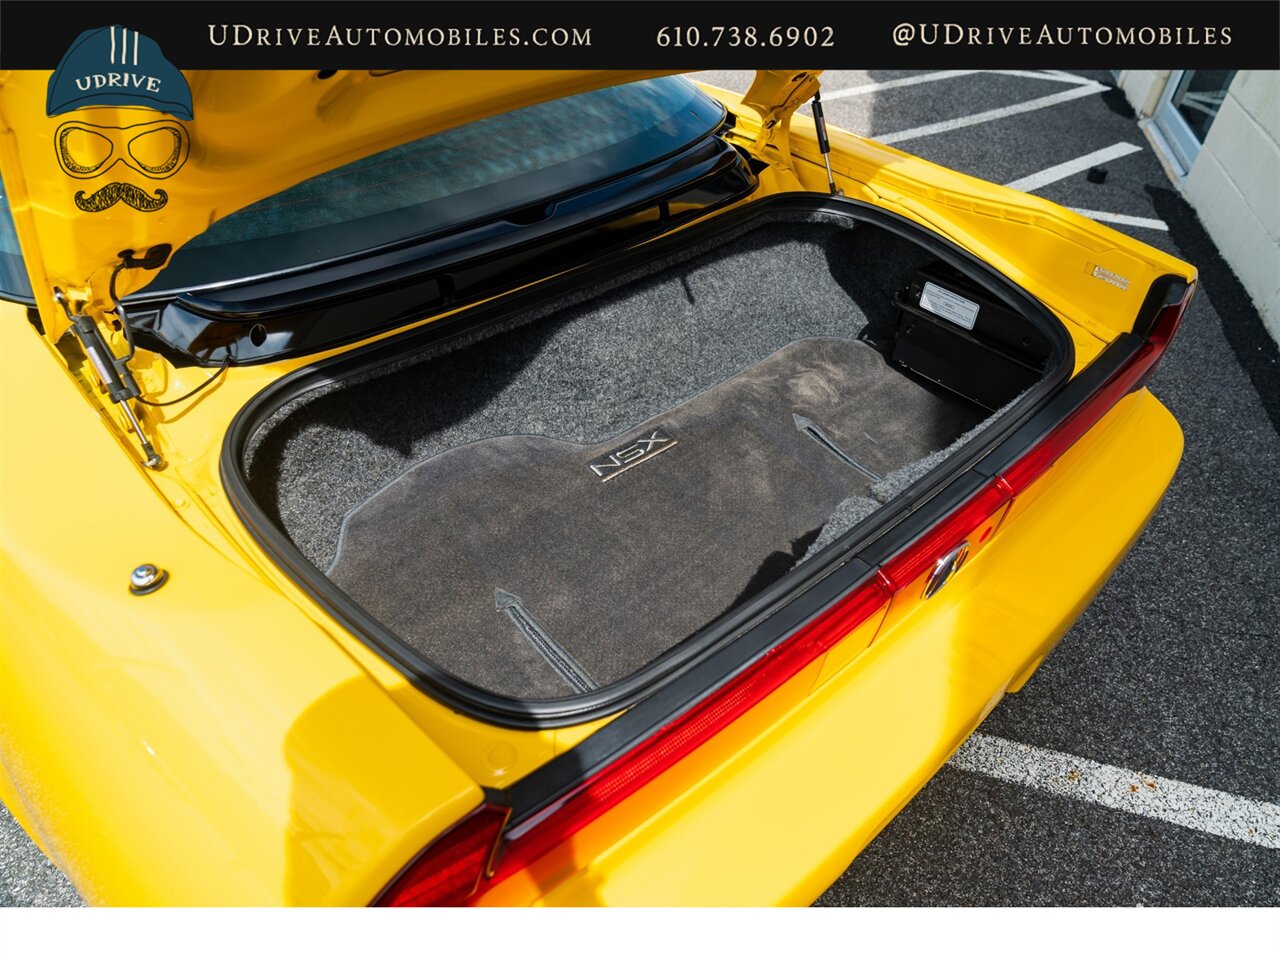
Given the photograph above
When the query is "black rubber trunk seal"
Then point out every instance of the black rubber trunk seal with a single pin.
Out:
(676, 673)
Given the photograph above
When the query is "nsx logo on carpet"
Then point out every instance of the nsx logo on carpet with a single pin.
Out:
(644, 447)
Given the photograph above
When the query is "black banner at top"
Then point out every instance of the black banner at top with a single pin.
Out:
(685, 35)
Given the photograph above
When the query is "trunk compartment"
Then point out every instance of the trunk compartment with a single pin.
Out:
(555, 505)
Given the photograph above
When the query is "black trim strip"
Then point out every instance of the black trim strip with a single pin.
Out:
(1165, 291)
(559, 776)
(669, 678)
(1087, 382)
(327, 304)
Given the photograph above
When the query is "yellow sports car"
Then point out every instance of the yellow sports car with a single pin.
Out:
(528, 487)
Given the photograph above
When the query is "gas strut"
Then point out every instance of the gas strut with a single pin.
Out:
(113, 371)
(824, 145)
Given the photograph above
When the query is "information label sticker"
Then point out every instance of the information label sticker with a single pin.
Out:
(948, 305)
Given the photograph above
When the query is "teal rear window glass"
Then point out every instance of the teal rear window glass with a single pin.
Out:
(439, 183)
(14, 282)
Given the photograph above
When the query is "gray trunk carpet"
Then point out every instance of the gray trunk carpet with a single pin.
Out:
(538, 567)
(582, 370)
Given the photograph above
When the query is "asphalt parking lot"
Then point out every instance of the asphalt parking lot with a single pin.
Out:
(1139, 765)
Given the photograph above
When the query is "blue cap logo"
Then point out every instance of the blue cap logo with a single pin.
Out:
(117, 67)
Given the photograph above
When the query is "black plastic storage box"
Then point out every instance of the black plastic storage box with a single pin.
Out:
(954, 333)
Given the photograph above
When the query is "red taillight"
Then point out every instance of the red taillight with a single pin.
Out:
(682, 736)
(903, 568)
(447, 872)
(1044, 454)
(1170, 319)
(451, 870)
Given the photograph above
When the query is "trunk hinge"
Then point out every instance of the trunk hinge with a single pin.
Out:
(775, 95)
(114, 373)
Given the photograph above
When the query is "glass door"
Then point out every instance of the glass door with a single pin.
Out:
(1187, 109)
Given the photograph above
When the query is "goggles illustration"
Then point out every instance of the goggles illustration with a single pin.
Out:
(155, 150)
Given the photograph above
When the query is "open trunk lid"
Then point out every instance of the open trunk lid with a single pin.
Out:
(253, 133)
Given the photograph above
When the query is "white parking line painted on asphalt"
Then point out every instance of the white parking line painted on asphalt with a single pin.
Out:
(986, 116)
(1123, 219)
(1055, 75)
(1069, 168)
(1159, 798)
(829, 95)
(1064, 75)
(878, 85)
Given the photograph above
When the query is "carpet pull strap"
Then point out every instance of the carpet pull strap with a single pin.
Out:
(819, 436)
(560, 659)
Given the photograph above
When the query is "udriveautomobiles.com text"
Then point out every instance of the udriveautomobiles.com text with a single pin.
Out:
(244, 35)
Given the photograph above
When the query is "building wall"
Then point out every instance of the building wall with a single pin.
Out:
(1234, 183)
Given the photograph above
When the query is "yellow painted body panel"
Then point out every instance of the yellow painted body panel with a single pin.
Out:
(225, 741)
(207, 743)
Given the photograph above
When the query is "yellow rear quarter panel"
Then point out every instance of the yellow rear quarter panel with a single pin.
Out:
(205, 744)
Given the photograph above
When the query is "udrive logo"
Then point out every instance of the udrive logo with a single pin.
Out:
(114, 67)
(117, 67)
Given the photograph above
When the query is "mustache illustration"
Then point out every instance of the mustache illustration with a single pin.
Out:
(113, 193)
